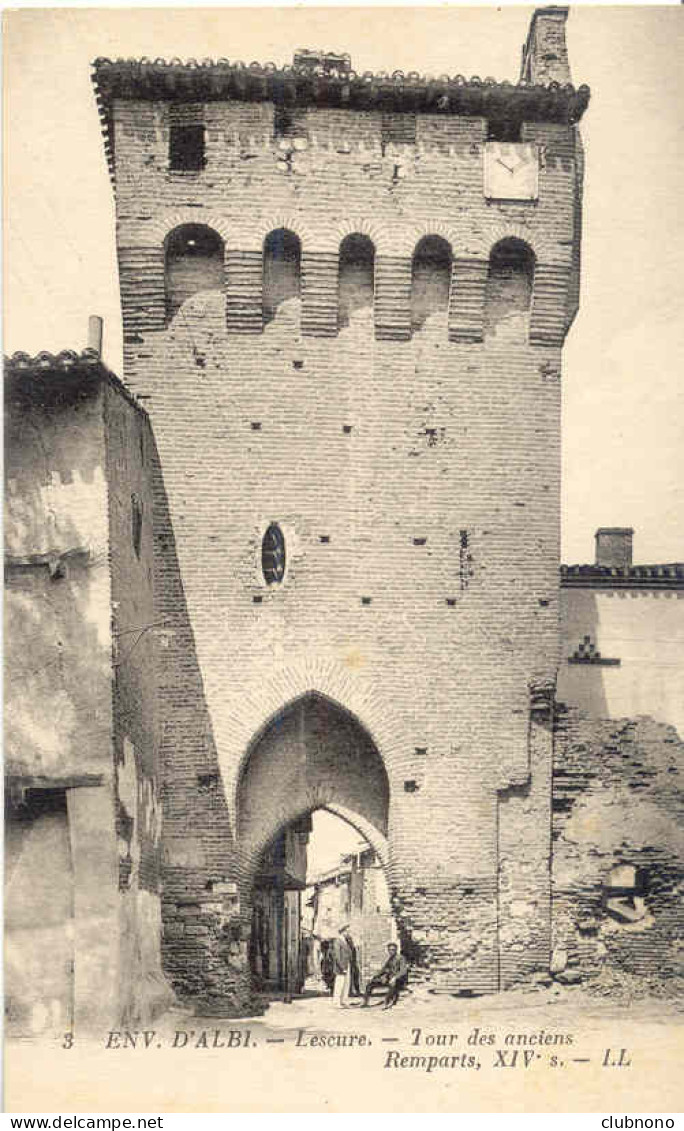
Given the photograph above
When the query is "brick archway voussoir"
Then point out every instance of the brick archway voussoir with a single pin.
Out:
(493, 234)
(434, 228)
(167, 222)
(327, 678)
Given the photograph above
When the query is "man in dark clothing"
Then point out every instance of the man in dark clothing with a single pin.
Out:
(394, 975)
(327, 965)
(354, 972)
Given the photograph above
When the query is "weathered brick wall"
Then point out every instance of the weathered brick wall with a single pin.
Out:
(415, 477)
(129, 446)
(617, 800)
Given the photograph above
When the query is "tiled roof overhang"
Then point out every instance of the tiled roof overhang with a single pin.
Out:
(51, 379)
(221, 81)
(668, 576)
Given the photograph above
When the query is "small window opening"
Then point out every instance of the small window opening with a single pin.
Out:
(207, 781)
(504, 129)
(356, 277)
(282, 271)
(186, 148)
(508, 295)
(430, 279)
(464, 560)
(624, 894)
(273, 555)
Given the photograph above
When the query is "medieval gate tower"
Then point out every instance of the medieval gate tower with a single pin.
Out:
(344, 302)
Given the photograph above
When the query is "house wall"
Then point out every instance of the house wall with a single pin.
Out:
(58, 714)
(39, 921)
(58, 707)
(641, 628)
(81, 733)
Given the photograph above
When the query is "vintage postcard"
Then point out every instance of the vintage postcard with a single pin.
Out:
(344, 560)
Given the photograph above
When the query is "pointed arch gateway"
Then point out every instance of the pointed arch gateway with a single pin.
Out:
(312, 755)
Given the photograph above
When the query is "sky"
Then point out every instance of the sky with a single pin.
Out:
(623, 392)
(331, 838)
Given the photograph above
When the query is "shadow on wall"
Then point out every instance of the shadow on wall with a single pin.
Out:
(204, 946)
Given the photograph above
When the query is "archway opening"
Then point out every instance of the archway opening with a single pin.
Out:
(356, 278)
(508, 296)
(430, 280)
(317, 875)
(282, 271)
(193, 263)
(313, 803)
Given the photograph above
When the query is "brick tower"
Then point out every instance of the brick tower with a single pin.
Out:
(344, 302)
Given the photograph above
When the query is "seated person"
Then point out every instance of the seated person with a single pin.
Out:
(393, 975)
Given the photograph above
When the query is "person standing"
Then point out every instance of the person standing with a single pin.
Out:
(328, 965)
(341, 965)
(354, 971)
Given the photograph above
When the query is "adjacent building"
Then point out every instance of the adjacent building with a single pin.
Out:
(83, 779)
(353, 893)
(622, 632)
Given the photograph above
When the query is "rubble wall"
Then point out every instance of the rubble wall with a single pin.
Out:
(618, 853)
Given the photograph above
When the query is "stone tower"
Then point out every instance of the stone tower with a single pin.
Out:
(344, 301)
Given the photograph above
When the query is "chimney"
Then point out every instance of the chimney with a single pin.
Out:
(614, 546)
(545, 54)
(321, 62)
(95, 334)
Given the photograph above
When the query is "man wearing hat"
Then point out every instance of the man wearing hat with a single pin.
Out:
(341, 963)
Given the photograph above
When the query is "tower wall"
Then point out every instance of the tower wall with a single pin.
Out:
(413, 470)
